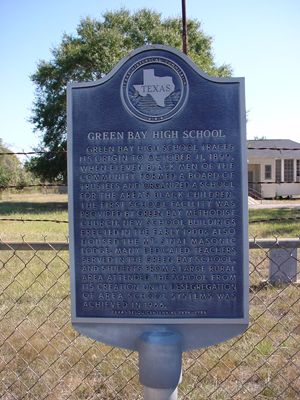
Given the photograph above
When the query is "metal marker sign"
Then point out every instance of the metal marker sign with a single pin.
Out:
(158, 201)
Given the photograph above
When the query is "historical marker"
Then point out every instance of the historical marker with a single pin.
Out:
(158, 201)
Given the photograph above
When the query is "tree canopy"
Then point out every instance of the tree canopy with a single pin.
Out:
(12, 171)
(91, 53)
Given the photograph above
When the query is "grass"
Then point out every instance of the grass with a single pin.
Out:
(41, 356)
(287, 224)
(38, 206)
(35, 206)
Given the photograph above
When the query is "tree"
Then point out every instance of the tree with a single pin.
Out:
(12, 171)
(260, 137)
(90, 54)
(9, 167)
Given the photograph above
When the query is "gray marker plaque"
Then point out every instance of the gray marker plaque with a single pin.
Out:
(158, 201)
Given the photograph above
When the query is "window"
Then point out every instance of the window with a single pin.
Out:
(278, 171)
(298, 169)
(268, 171)
(288, 170)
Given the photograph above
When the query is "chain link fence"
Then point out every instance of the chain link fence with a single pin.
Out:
(42, 357)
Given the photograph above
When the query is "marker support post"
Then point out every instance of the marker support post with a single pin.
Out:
(160, 355)
(159, 394)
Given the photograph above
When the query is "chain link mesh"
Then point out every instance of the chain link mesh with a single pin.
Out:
(42, 357)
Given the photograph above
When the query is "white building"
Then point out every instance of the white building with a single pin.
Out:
(273, 168)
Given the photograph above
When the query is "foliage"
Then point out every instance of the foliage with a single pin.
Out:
(90, 54)
(9, 167)
(12, 172)
(4, 177)
(260, 138)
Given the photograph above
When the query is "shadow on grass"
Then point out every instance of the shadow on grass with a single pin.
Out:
(275, 213)
(26, 207)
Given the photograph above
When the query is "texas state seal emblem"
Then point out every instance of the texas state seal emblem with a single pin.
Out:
(154, 89)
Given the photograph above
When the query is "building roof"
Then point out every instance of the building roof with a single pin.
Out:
(273, 143)
(273, 148)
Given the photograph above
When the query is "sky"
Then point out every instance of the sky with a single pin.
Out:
(260, 39)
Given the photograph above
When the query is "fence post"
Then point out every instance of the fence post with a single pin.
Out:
(160, 354)
(283, 265)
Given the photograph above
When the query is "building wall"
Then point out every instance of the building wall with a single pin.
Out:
(288, 189)
(272, 190)
(263, 162)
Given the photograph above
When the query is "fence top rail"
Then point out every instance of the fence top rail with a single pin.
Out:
(64, 245)
(275, 242)
(23, 245)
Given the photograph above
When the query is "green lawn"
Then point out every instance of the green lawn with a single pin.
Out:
(283, 222)
(54, 207)
(42, 356)
(34, 207)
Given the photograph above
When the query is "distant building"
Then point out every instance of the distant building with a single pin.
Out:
(273, 168)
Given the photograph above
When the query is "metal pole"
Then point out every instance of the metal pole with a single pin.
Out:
(184, 27)
(160, 354)
(160, 394)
